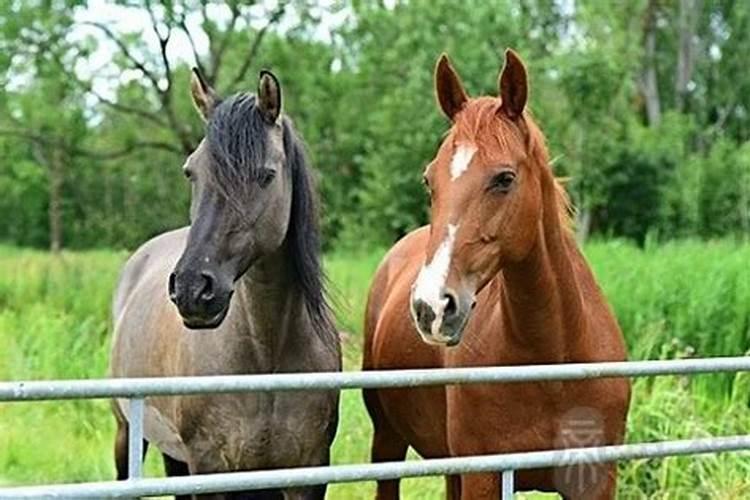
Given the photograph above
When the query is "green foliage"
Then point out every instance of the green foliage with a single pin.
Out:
(634, 190)
(400, 126)
(360, 90)
(24, 189)
(682, 299)
(695, 294)
(725, 189)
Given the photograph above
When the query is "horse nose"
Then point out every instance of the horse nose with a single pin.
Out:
(202, 292)
(442, 319)
(202, 295)
(173, 287)
(450, 307)
(424, 315)
(207, 292)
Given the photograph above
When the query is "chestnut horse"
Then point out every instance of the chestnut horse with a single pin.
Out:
(247, 296)
(496, 279)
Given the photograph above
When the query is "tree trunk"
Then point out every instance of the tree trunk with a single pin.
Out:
(51, 159)
(687, 26)
(108, 204)
(649, 80)
(583, 225)
(55, 200)
(744, 207)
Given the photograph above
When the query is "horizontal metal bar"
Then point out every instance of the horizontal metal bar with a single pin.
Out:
(306, 476)
(161, 386)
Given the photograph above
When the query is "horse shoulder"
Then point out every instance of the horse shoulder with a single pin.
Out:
(603, 340)
(141, 293)
(146, 258)
(391, 341)
(135, 349)
(402, 259)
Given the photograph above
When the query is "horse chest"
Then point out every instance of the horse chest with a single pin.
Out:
(499, 413)
(256, 431)
(523, 417)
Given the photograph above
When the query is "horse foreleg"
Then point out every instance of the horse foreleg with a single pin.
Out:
(121, 444)
(591, 482)
(453, 487)
(174, 468)
(480, 487)
(256, 495)
(317, 492)
(121, 451)
(387, 445)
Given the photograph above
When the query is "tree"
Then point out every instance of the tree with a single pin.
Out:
(51, 135)
(53, 115)
(159, 108)
(626, 93)
(397, 120)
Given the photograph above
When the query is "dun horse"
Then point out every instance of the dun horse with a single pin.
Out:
(496, 279)
(247, 272)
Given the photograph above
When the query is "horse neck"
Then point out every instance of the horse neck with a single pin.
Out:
(272, 306)
(541, 299)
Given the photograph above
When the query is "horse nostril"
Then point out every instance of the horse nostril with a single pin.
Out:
(451, 305)
(171, 288)
(207, 292)
(423, 314)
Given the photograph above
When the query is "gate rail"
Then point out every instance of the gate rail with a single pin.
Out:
(136, 389)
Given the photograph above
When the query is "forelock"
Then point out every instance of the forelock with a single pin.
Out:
(481, 124)
(237, 143)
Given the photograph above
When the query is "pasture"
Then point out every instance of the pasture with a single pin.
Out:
(674, 300)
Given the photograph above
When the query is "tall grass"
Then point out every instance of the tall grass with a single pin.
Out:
(693, 294)
(676, 300)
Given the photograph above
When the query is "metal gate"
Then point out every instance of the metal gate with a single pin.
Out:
(136, 389)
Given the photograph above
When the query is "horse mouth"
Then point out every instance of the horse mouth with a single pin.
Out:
(441, 341)
(210, 323)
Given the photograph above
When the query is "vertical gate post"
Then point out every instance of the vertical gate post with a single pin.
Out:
(508, 485)
(135, 438)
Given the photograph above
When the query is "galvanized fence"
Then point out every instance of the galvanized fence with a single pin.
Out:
(135, 390)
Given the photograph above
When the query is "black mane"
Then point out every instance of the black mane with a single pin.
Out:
(237, 135)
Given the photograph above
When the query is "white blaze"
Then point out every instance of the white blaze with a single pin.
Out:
(431, 280)
(461, 159)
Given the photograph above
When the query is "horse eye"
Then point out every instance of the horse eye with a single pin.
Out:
(503, 181)
(266, 177)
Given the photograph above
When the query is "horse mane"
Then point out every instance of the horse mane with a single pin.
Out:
(304, 239)
(481, 123)
(236, 134)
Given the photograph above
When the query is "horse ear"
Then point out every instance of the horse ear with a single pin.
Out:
(204, 97)
(513, 85)
(269, 96)
(448, 88)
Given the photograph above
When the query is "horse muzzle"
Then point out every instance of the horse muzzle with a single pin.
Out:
(441, 321)
(201, 298)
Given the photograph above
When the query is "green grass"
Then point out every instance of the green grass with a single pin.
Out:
(676, 300)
